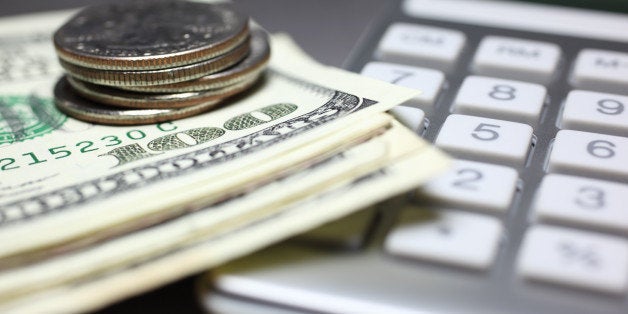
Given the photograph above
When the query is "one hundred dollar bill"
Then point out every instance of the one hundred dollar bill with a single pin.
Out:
(63, 181)
(322, 192)
(370, 154)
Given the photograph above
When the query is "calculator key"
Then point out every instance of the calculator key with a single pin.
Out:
(428, 81)
(595, 112)
(515, 58)
(487, 139)
(349, 232)
(576, 152)
(575, 258)
(601, 70)
(583, 202)
(450, 237)
(473, 184)
(500, 99)
(421, 45)
(411, 117)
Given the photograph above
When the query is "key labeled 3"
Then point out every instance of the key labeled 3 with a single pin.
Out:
(583, 202)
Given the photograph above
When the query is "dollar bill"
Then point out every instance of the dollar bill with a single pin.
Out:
(63, 181)
(315, 195)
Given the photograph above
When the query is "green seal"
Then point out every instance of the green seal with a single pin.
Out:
(26, 117)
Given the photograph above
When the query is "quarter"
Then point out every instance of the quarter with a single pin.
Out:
(83, 109)
(251, 66)
(121, 98)
(159, 76)
(150, 34)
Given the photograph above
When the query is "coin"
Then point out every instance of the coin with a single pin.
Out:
(158, 76)
(121, 98)
(80, 108)
(251, 66)
(141, 35)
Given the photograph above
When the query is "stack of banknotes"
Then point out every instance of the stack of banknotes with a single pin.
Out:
(91, 214)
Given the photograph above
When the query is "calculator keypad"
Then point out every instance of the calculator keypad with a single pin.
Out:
(493, 116)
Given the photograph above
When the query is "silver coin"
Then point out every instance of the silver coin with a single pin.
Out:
(121, 98)
(251, 66)
(159, 76)
(150, 34)
(69, 102)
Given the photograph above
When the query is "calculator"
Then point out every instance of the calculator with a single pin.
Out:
(531, 101)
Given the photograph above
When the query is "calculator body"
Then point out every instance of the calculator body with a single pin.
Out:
(530, 99)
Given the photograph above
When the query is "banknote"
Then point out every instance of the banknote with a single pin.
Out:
(62, 180)
(315, 195)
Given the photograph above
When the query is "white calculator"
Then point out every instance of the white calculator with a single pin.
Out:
(532, 102)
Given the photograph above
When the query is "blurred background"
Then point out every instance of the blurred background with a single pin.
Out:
(326, 29)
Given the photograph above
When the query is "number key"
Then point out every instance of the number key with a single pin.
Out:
(583, 202)
(473, 184)
(500, 99)
(485, 139)
(428, 81)
(576, 152)
(595, 112)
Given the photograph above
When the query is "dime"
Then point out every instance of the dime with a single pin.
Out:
(141, 35)
(251, 66)
(159, 76)
(80, 108)
(121, 98)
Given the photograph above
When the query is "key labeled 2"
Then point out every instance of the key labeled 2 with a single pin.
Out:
(473, 184)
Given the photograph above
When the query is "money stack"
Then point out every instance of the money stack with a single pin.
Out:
(152, 61)
(92, 213)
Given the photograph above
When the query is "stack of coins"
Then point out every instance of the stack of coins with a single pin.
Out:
(152, 61)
